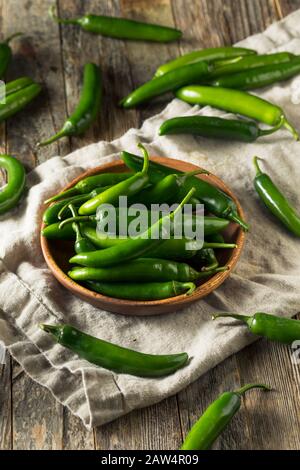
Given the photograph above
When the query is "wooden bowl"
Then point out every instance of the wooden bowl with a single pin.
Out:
(58, 252)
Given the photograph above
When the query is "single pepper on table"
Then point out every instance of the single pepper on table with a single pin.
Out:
(275, 201)
(114, 357)
(121, 28)
(272, 327)
(215, 418)
(237, 101)
(11, 193)
(208, 55)
(88, 107)
(18, 100)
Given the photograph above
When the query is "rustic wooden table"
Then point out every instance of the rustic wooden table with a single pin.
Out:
(30, 418)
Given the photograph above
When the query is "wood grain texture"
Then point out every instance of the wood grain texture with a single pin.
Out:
(55, 55)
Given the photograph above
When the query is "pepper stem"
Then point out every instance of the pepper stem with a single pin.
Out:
(184, 201)
(63, 195)
(78, 218)
(60, 20)
(54, 138)
(241, 391)
(263, 132)
(210, 272)
(235, 218)
(75, 225)
(190, 286)
(195, 172)
(146, 158)
(256, 166)
(290, 128)
(243, 318)
(219, 245)
(15, 35)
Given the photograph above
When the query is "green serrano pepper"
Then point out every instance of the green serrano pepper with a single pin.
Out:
(122, 28)
(169, 82)
(6, 54)
(114, 357)
(143, 270)
(14, 188)
(82, 244)
(272, 327)
(17, 101)
(216, 128)
(17, 85)
(215, 200)
(209, 54)
(86, 185)
(215, 419)
(87, 109)
(129, 187)
(260, 77)
(143, 291)
(236, 101)
(275, 201)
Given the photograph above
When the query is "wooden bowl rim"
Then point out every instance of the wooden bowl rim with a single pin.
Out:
(210, 285)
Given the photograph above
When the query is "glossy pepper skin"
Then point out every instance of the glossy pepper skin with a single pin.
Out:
(128, 249)
(82, 244)
(215, 127)
(247, 63)
(142, 291)
(193, 73)
(17, 85)
(114, 357)
(275, 201)
(6, 54)
(210, 224)
(260, 77)
(88, 184)
(122, 28)
(17, 101)
(272, 327)
(88, 107)
(236, 101)
(215, 200)
(209, 54)
(11, 193)
(129, 188)
(142, 270)
(215, 419)
(53, 232)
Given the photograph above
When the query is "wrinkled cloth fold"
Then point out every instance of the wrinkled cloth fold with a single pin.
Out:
(265, 279)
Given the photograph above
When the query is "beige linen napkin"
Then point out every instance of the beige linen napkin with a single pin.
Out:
(266, 277)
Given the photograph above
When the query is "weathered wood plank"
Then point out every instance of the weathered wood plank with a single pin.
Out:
(285, 7)
(75, 436)
(5, 405)
(37, 416)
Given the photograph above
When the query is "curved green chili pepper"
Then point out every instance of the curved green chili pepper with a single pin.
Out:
(15, 102)
(122, 28)
(87, 109)
(172, 248)
(131, 248)
(247, 63)
(275, 201)
(260, 77)
(215, 419)
(272, 327)
(114, 357)
(210, 54)
(207, 257)
(53, 232)
(88, 184)
(215, 200)
(6, 53)
(11, 193)
(216, 128)
(142, 291)
(236, 101)
(143, 270)
(82, 244)
(129, 187)
(169, 82)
